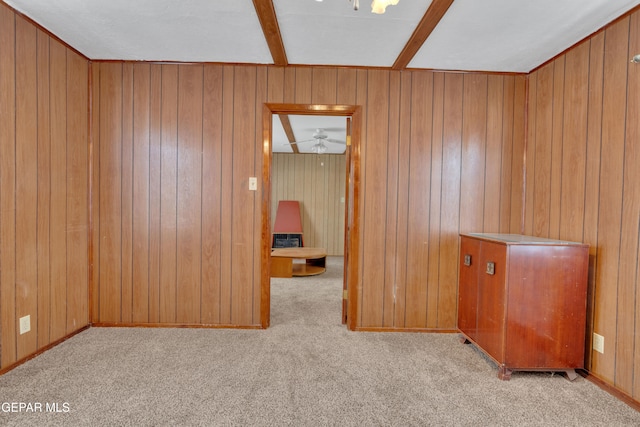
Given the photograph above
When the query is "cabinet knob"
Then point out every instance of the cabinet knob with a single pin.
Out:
(491, 268)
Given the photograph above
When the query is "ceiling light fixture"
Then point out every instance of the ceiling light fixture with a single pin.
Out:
(379, 6)
(636, 59)
(319, 148)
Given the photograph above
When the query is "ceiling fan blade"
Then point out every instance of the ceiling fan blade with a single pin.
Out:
(329, 129)
(298, 142)
(335, 141)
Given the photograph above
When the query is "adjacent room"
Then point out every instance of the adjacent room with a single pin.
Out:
(146, 148)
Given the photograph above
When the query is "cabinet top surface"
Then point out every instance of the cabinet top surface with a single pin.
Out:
(519, 239)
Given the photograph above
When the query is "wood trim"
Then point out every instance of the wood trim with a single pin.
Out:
(429, 21)
(42, 350)
(90, 183)
(265, 286)
(523, 211)
(353, 226)
(271, 29)
(417, 330)
(288, 130)
(172, 325)
(353, 256)
(615, 392)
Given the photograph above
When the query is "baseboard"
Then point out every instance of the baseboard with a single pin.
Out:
(620, 395)
(428, 330)
(171, 325)
(42, 350)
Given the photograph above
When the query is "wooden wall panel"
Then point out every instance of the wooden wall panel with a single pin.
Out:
(507, 181)
(94, 249)
(59, 194)
(375, 195)
(419, 187)
(631, 210)
(328, 173)
(126, 195)
(592, 173)
(391, 212)
(110, 166)
(424, 178)
(435, 202)
(539, 176)
(611, 182)
(626, 350)
(211, 199)
(226, 182)
(474, 139)
(189, 194)
(7, 186)
(521, 113)
(140, 298)
(244, 201)
(589, 171)
(451, 200)
(155, 186)
(26, 183)
(168, 193)
(555, 170)
(402, 204)
(78, 192)
(44, 198)
(493, 159)
(259, 101)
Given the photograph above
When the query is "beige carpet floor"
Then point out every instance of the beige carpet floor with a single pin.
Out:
(306, 370)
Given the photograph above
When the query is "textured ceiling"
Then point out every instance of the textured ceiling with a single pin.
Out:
(457, 35)
(471, 35)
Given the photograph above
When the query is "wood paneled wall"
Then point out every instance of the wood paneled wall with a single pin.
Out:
(178, 232)
(44, 196)
(318, 182)
(582, 182)
(447, 159)
(176, 225)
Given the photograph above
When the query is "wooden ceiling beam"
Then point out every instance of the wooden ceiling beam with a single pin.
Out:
(429, 21)
(269, 22)
(288, 130)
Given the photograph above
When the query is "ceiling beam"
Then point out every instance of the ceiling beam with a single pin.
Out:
(429, 21)
(288, 130)
(271, 29)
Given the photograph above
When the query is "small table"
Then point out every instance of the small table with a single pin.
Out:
(282, 264)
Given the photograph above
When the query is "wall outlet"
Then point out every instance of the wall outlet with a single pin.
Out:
(25, 324)
(253, 183)
(598, 343)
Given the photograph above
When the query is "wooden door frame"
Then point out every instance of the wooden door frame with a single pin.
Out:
(353, 227)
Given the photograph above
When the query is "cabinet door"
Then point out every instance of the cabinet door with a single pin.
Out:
(468, 286)
(491, 299)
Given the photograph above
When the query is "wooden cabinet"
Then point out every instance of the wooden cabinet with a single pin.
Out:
(522, 300)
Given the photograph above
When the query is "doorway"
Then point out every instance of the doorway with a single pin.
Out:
(352, 235)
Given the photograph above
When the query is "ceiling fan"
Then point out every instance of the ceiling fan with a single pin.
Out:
(319, 137)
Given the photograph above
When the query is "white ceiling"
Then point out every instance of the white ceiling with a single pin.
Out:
(473, 35)
(303, 128)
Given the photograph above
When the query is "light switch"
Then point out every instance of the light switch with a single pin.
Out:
(253, 183)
